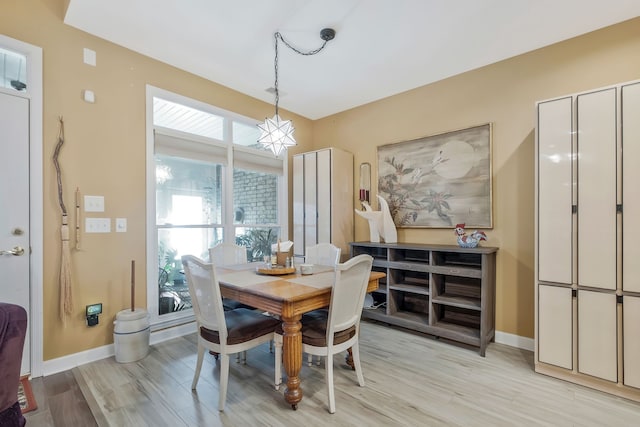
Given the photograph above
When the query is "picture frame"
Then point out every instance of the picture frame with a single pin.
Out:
(439, 181)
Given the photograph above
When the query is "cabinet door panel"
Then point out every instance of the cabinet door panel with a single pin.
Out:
(298, 206)
(554, 191)
(342, 200)
(324, 175)
(597, 189)
(597, 337)
(310, 200)
(630, 179)
(631, 338)
(555, 325)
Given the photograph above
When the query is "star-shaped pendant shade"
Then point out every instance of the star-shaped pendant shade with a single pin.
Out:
(277, 134)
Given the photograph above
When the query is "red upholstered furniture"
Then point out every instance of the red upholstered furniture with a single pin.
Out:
(13, 329)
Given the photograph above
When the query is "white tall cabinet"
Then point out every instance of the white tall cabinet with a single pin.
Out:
(322, 200)
(587, 271)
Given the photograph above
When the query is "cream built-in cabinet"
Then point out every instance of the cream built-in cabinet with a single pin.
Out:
(587, 275)
(322, 200)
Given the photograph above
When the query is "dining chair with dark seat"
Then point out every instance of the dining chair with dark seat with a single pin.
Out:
(322, 254)
(339, 328)
(228, 254)
(225, 254)
(326, 254)
(222, 331)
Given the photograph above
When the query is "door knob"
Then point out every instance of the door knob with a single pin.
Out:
(16, 251)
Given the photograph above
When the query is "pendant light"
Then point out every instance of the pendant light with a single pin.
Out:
(277, 134)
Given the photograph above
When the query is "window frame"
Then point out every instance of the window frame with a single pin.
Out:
(228, 214)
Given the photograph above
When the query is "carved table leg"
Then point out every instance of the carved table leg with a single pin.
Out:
(292, 358)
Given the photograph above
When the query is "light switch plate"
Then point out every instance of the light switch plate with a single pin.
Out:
(89, 56)
(121, 225)
(97, 225)
(94, 203)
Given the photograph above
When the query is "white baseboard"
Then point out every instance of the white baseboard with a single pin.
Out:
(171, 333)
(65, 363)
(514, 341)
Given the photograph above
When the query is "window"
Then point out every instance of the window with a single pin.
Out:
(210, 182)
(188, 221)
(13, 70)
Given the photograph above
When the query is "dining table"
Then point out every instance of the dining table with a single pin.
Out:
(288, 296)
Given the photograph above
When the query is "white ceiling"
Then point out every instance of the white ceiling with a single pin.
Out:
(382, 47)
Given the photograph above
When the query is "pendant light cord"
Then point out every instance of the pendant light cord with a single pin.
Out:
(277, 36)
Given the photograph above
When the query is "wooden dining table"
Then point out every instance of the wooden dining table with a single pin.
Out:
(288, 296)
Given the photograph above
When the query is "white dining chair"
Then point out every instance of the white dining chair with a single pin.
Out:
(224, 254)
(339, 330)
(222, 331)
(228, 254)
(322, 254)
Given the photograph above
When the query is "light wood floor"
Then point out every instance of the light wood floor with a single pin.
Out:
(60, 403)
(410, 379)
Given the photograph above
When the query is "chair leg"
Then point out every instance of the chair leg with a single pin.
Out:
(329, 380)
(356, 363)
(196, 375)
(241, 357)
(224, 380)
(310, 360)
(278, 362)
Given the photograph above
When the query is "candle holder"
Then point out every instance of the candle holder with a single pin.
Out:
(365, 182)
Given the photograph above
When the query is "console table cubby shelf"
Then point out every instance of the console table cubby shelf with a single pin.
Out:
(442, 290)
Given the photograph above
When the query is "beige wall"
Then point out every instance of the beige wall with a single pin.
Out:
(503, 94)
(104, 152)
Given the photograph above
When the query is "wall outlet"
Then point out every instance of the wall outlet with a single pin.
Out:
(97, 225)
(94, 203)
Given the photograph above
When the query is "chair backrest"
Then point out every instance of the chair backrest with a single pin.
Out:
(227, 254)
(205, 295)
(347, 296)
(323, 254)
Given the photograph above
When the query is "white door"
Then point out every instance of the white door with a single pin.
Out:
(14, 199)
(631, 332)
(298, 206)
(323, 183)
(597, 180)
(555, 185)
(597, 334)
(630, 178)
(310, 200)
(555, 325)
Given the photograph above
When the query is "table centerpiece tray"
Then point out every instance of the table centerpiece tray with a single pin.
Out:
(276, 271)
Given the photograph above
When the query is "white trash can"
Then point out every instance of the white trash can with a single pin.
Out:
(131, 334)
